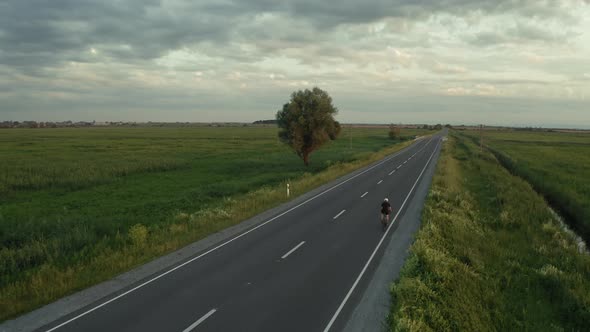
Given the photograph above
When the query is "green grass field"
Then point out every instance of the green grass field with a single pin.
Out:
(79, 206)
(489, 255)
(556, 164)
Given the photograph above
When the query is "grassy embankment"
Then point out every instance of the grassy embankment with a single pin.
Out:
(79, 206)
(557, 166)
(489, 256)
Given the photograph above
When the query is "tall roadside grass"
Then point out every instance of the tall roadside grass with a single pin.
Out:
(45, 258)
(489, 256)
(555, 164)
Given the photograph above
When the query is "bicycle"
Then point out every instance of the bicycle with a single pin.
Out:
(384, 221)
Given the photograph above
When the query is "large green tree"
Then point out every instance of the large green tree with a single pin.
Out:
(307, 122)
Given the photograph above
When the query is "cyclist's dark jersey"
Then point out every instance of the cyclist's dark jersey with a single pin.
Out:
(385, 207)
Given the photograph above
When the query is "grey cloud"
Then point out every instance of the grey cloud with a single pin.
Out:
(519, 33)
(531, 32)
(330, 13)
(44, 33)
(506, 81)
(487, 38)
(47, 33)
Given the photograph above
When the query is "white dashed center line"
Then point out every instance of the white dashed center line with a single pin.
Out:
(391, 172)
(291, 251)
(379, 182)
(399, 166)
(365, 194)
(339, 214)
(202, 319)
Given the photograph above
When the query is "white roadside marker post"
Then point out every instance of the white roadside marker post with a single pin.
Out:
(288, 190)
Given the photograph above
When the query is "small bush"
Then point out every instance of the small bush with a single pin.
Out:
(138, 235)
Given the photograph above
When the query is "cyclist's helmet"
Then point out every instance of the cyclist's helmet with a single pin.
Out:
(386, 200)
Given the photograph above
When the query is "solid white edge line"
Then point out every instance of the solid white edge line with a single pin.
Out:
(339, 214)
(365, 194)
(291, 251)
(223, 244)
(378, 245)
(202, 319)
(379, 181)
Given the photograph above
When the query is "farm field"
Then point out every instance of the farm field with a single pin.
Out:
(489, 255)
(80, 205)
(556, 164)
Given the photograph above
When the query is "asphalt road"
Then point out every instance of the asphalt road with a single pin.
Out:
(302, 270)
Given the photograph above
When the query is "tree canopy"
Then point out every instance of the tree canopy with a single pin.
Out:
(307, 122)
(394, 132)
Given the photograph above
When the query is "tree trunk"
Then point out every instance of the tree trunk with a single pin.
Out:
(306, 158)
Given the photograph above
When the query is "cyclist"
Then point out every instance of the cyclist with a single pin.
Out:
(385, 212)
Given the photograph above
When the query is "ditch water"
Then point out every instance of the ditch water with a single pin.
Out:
(582, 248)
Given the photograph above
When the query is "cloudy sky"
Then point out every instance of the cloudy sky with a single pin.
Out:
(507, 62)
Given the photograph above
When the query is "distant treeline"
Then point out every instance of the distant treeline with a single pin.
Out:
(265, 122)
(78, 124)
(62, 124)
(534, 129)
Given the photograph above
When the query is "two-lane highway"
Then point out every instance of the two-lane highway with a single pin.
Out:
(297, 271)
